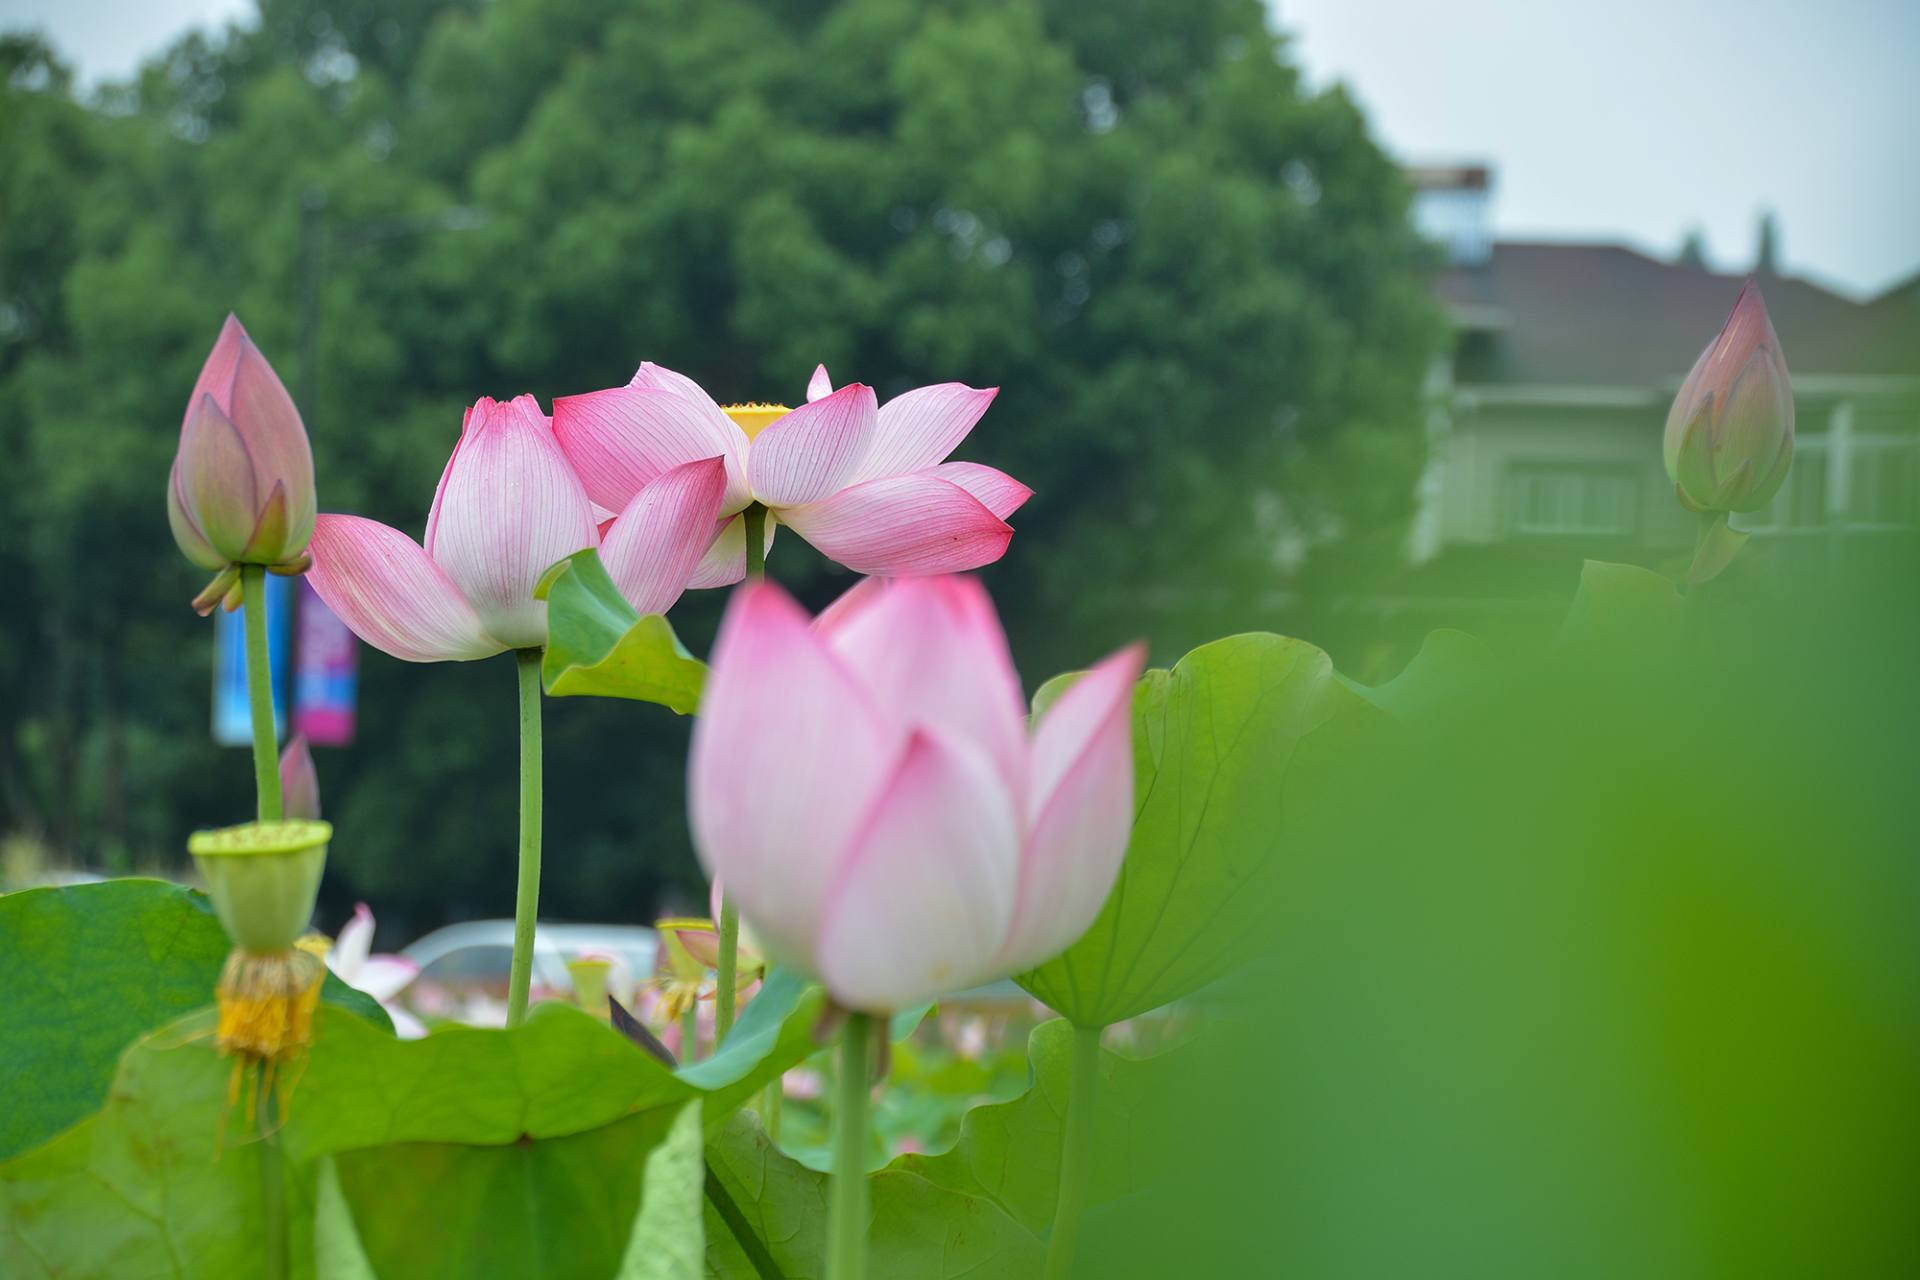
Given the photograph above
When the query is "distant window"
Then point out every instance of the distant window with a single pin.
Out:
(1564, 500)
(1883, 483)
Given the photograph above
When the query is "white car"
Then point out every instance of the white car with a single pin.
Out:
(461, 971)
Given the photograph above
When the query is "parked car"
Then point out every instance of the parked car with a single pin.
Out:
(463, 968)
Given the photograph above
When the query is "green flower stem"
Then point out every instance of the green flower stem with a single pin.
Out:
(1076, 1152)
(266, 755)
(729, 975)
(526, 902)
(776, 1097)
(847, 1206)
(754, 529)
(269, 808)
(690, 1031)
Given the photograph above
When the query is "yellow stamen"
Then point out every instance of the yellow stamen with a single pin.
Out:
(266, 1004)
(755, 418)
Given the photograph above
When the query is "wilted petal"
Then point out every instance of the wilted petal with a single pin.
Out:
(998, 492)
(924, 898)
(788, 754)
(922, 427)
(1081, 804)
(509, 506)
(651, 550)
(390, 594)
(819, 386)
(352, 945)
(622, 439)
(903, 525)
(299, 780)
(725, 562)
(932, 652)
(814, 450)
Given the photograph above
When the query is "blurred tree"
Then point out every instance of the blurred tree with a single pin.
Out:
(1193, 278)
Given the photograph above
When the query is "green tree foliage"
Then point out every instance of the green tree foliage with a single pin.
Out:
(1192, 276)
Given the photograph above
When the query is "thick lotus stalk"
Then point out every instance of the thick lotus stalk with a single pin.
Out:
(241, 489)
(868, 791)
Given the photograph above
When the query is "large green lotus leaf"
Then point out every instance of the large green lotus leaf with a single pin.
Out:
(1214, 741)
(598, 646)
(774, 1032)
(668, 1241)
(1625, 608)
(1450, 666)
(86, 970)
(151, 1184)
(768, 1218)
(1009, 1152)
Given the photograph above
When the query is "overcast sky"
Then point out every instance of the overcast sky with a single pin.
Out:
(1626, 120)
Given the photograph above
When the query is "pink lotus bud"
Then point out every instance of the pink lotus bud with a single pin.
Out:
(242, 485)
(868, 790)
(1729, 435)
(299, 783)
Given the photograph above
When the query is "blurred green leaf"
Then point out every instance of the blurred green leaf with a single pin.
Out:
(668, 1242)
(773, 1209)
(87, 970)
(1009, 1152)
(774, 1032)
(1212, 743)
(337, 1251)
(597, 646)
(1449, 666)
(1624, 609)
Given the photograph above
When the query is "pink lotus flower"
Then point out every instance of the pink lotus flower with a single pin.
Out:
(241, 491)
(865, 483)
(507, 508)
(299, 780)
(868, 790)
(1729, 438)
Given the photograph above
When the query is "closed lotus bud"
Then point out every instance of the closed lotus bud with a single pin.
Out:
(299, 782)
(241, 491)
(1729, 436)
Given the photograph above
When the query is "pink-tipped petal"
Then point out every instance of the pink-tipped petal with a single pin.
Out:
(922, 427)
(216, 372)
(276, 439)
(931, 650)
(299, 780)
(390, 594)
(216, 481)
(655, 377)
(788, 754)
(903, 526)
(819, 386)
(815, 450)
(725, 562)
(998, 492)
(1081, 807)
(352, 945)
(924, 898)
(509, 506)
(622, 439)
(652, 549)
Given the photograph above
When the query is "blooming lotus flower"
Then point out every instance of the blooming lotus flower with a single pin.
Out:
(865, 483)
(1729, 437)
(507, 508)
(241, 490)
(871, 795)
(299, 781)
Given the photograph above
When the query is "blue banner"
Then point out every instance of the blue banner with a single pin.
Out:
(232, 718)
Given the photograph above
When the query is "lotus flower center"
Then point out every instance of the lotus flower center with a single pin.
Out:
(755, 418)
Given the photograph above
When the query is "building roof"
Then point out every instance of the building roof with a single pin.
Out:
(1599, 315)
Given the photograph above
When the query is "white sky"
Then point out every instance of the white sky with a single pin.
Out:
(1616, 119)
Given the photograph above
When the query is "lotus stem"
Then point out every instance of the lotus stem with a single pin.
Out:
(526, 902)
(1076, 1152)
(266, 755)
(847, 1206)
